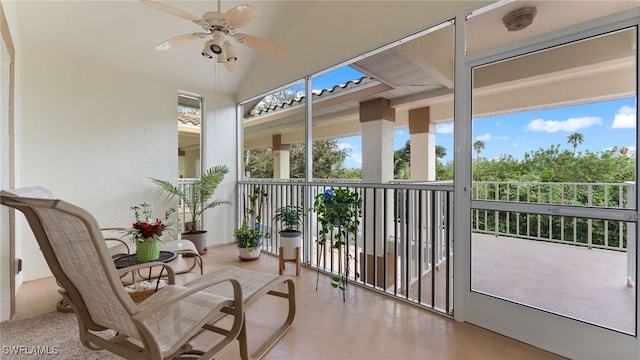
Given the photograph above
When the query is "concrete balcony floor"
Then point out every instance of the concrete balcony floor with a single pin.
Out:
(367, 326)
(585, 284)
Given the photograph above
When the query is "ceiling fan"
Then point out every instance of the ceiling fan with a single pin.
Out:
(221, 27)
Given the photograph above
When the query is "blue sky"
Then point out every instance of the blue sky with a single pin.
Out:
(603, 125)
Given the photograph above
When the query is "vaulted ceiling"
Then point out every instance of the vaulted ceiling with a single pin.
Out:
(316, 34)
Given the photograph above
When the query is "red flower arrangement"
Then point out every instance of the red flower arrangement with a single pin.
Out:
(147, 228)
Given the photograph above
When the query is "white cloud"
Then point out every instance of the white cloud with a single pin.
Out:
(484, 137)
(625, 118)
(355, 157)
(501, 137)
(354, 154)
(569, 125)
(444, 128)
(345, 145)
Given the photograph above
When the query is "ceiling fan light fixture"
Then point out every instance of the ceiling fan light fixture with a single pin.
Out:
(230, 53)
(222, 57)
(217, 43)
(217, 27)
(206, 50)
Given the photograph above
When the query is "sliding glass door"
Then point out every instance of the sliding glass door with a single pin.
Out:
(553, 196)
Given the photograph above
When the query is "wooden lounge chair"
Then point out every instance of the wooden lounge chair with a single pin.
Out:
(160, 327)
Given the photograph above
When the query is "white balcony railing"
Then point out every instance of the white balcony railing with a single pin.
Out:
(404, 247)
(604, 234)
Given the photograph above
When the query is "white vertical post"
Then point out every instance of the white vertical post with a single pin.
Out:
(377, 119)
(423, 144)
(281, 161)
(462, 184)
(632, 237)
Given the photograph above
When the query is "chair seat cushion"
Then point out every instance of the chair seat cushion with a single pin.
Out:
(171, 325)
(179, 246)
(254, 283)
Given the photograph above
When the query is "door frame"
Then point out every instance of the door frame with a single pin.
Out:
(556, 333)
(8, 226)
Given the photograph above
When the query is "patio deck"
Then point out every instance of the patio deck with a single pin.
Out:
(581, 283)
(585, 284)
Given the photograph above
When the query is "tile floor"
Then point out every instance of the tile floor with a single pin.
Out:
(367, 326)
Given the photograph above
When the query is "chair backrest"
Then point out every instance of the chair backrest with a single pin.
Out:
(73, 246)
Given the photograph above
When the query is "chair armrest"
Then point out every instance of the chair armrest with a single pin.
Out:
(110, 237)
(153, 309)
(122, 242)
(112, 229)
(171, 276)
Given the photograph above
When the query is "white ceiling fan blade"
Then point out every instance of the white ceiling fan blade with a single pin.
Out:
(171, 10)
(241, 15)
(262, 45)
(179, 40)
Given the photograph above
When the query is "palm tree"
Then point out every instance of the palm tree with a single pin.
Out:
(575, 139)
(478, 146)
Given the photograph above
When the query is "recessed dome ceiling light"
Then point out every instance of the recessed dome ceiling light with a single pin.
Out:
(519, 19)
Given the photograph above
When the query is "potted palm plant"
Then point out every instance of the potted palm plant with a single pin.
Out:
(290, 218)
(196, 198)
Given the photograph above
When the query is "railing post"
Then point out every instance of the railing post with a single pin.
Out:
(401, 241)
(631, 236)
(589, 221)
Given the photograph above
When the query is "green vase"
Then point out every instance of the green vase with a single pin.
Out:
(148, 250)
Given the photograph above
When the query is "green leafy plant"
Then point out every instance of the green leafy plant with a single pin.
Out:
(250, 234)
(248, 237)
(196, 197)
(252, 213)
(338, 212)
(290, 217)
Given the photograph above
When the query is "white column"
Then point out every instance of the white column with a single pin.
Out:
(281, 166)
(377, 151)
(376, 118)
(423, 145)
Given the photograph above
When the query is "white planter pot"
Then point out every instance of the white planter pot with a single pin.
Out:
(198, 239)
(249, 253)
(289, 241)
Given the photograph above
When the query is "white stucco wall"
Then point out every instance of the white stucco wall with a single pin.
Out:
(5, 257)
(220, 148)
(93, 135)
